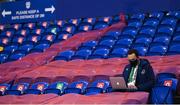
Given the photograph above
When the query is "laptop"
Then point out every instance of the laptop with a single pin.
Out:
(118, 83)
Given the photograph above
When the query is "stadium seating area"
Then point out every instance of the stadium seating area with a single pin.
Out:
(50, 62)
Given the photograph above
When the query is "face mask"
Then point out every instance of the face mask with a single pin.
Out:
(133, 62)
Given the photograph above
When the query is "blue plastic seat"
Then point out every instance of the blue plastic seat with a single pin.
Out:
(100, 25)
(139, 16)
(90, 20)
(56, 88)
(75, 21)
(59, 22)
(4, 41)
(3, 88)
(106, 44)
(165, 29)
(34, 38)
(69, 28)
(113, 33)
(100, 53)
(157, 50)
(8, 32)
(85, 27)
(37, 88)
(169, 20)
(16, 26)
(89, 45)
(135, 23)
(176, 37)
(77, 87)
(49, 37)
(161, 95)
(107, 20)
(119, 52)
(19, 40)
(38, 30)
(167, 79)
(3, 57)
(144, 41)
(97, 87)
(125, 42)
(44, 24)
(66, 55)
(62, 36)
(29, 25)
(26, 47)
(154, 22)
(147, 30)
(23, 32)
(18, 89)
(142, 50)
(40, 47)
(164, 40)
(178, 28)
(53, 29)
(174, 13)
(2, 27)
(157, 15)
(129, 31)
(16, 56)
(11, 48)
(82, 54)
(174, 48)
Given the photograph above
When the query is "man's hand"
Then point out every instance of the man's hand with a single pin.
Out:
(132, 87)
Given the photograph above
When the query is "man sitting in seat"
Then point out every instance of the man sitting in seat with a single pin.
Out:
(138, 74)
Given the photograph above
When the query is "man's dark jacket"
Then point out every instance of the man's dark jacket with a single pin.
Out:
(145, 76)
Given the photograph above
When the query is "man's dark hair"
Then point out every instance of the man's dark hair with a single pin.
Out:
(133, 51)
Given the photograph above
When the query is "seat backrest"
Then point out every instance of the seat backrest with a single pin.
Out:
(120, 51)
(40, 86)
(139, 16)
(162, 39)
(161, 95)
(101, 51)
(169, 20)
(81, 84)
(164, 75)
(147, 30)
(158, 49)
(142, 50)
(175, 48)
(129, 31)
(152, 22)
(165, 29)
(135, 23)
(107, 42)
(21, 87)
(103, 84)
(100, 25)
(67, 53)
(3, 88)
(90, 43)
(84, 53)
(157, 15)
(58, 85)
(90, 20)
